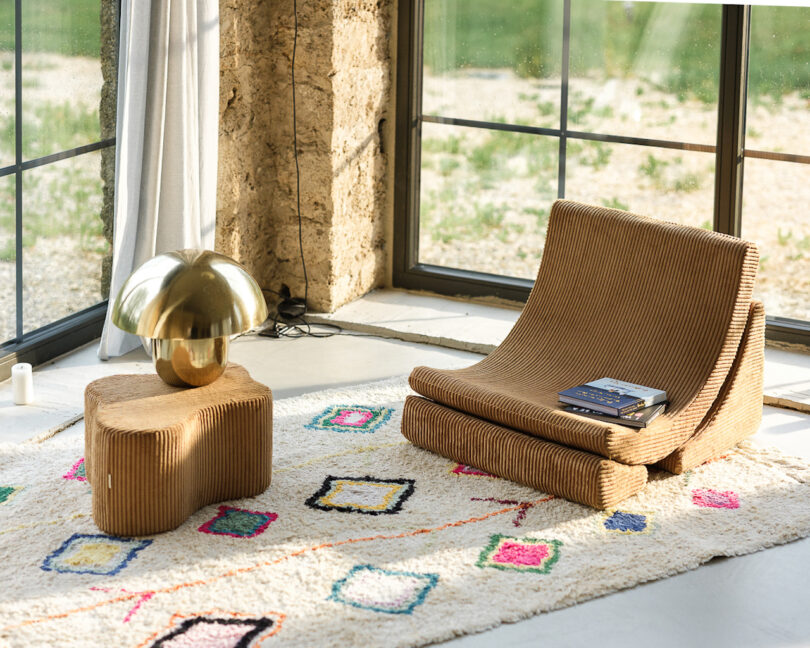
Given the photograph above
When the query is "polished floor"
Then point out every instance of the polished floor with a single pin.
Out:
(762, 599)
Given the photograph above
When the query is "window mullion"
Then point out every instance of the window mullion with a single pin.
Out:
(408, 126)
(564, 72)
(415, 134)
(731, 119)
(18, 153)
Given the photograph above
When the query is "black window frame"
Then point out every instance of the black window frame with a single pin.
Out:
(730, 153)
(64, 335)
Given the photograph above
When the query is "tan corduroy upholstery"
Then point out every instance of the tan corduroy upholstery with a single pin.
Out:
(623, 296)
(544, 465)
(737, 411)
(154, 453)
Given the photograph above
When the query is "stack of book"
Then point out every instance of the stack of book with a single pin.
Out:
(615, 401)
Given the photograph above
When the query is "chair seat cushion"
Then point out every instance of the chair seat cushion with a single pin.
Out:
(576, 475)
(536, 411)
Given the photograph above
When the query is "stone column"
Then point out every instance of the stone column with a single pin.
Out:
(107, 110)
(343, 79)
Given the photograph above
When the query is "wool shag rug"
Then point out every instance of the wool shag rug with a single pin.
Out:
(361, 540)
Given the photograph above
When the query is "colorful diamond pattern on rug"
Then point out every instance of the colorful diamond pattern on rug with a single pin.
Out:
(383, 590)
(77, 472)
(100, 554)
(216, 631)
(351, 418)
(709, 498)
(362, 495)
(520, 554)
(627, 523)
(238, 523)
(7, 493)
(464, 469)
(441, 531)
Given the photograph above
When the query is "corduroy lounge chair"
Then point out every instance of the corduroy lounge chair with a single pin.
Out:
(617, 295)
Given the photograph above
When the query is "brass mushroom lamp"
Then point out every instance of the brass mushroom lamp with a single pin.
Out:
(189, 303)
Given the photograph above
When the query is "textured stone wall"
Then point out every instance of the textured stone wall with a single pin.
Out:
(107, 110)
(343, 79)
(361, 87)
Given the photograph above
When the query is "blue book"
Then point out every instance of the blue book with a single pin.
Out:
(611, 396)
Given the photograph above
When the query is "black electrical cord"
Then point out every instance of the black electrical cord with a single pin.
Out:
(297, 327)
(295, 155)
(289, 320)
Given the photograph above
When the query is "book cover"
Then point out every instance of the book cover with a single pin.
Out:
(631, 389)
(638, 419)
(611, 396)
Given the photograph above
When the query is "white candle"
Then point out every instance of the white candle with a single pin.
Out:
(22, 383)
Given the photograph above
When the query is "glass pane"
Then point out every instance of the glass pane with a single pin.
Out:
(493, 61)
(484, 198)
(646, 69)
(64, 245)
(776, 193)
(775, 196)
(8, 266)
(671, 185)
(61, 75)
(7, 134)
(777, 118)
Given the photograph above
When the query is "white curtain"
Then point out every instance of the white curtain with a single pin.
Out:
(166, 139)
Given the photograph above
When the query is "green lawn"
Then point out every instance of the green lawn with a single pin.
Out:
(69, 27)
(618, 39)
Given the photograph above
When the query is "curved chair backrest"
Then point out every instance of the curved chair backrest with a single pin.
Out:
(638, 299)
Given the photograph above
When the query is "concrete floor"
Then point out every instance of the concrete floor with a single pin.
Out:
(757, 600)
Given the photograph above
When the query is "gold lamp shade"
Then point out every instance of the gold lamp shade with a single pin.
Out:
(188, 303)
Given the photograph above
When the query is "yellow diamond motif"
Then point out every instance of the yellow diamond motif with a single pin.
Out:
(92, 553)
(362, 495)
(370, 495)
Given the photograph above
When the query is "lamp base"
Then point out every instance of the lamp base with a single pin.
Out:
(190, 363)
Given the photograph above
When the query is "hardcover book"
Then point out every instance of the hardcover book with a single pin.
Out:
(638, 419)
(611, 396)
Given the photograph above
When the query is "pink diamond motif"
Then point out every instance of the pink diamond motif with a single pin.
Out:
(77, 471)
(210, 630)
(355, 418)
(513, 553)
(709, 498)
(464, 469)
(520, 554)
(351, 418)
(210, 634)
(238, 523)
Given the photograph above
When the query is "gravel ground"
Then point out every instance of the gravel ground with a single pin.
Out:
(58, 279)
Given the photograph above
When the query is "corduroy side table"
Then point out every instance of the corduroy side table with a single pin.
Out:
(154, 453)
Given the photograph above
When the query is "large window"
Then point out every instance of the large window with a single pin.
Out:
(52, 139)
(505, 107)
(776, 188)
